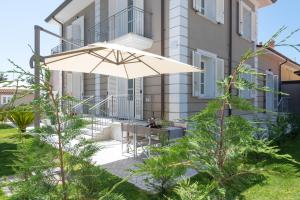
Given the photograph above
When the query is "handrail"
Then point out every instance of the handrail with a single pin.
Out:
(100, 103)
(82, 102)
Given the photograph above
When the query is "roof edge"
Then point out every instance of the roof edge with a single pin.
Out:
(280, 54)
(57, 10)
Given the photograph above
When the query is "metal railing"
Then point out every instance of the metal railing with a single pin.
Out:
(111, 108)
(66, 46)
(284, 105)
(130, 20)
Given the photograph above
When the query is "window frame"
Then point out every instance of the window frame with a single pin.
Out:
(7, 99)
(212, 84)
(202, 10)
(243, 6)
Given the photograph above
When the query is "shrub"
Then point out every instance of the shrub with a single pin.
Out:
(22, 117)
(5, 126)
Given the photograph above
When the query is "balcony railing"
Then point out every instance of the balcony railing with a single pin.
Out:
(130, 20)
(67, 46)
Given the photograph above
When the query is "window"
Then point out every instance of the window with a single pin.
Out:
(130, 91)
(211, 9)
(247, 22)
(5, 99)
(205, 82)
(247, 93)
(271, 98)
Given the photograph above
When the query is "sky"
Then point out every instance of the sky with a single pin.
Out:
(18, 17)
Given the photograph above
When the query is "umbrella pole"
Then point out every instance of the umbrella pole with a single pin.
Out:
(37, 61)
(37, 38)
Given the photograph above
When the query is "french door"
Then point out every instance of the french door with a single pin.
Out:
(126, 98)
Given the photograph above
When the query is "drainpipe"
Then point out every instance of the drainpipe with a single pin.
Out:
(62, 43)
(280, 77)
(230, 47)
(162, 54)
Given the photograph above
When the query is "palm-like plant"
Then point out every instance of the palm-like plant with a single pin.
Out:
(21, 117)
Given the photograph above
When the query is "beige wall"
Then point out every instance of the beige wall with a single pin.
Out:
(21, 99)
(288, 72)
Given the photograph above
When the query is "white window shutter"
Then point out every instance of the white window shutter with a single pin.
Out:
(253, 91)
(69, 36)
(220, 75)
(269, 95)
(197, 5)
(196, 75)
(276, 91)
(253, 26)
(220, 11)
(243, 93)
(246, 93)
(69, 83)
(241, 21)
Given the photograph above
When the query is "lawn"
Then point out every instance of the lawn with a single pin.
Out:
(8, 142)
(282, 184)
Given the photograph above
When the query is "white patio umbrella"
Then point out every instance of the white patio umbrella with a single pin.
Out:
(115, 60)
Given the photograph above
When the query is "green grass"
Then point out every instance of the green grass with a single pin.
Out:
(8, 143)
(281, 182)
(283, 179)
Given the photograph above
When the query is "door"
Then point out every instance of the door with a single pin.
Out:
(126, 100)
(138, 16)
(69, 37)
(118, 18)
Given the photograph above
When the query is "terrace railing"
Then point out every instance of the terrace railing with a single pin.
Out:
(130, 20)
(67, 46)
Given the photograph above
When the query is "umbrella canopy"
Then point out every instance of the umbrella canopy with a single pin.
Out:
(115, 60)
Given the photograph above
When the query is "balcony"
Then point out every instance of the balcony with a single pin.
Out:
(131, 27)
(67, 46)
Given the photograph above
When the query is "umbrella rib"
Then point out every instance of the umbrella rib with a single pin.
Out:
(128, 57)
(127, 61)
(147, 65)
(64, 58)
(124, 67)
(101, 62)
(92, 53)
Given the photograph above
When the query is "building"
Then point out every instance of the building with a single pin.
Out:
(281, 75)
(210, 34)
(23, 96)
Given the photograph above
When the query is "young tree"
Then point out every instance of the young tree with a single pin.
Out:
(218, 145)
(63, 170)
(60, 130)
